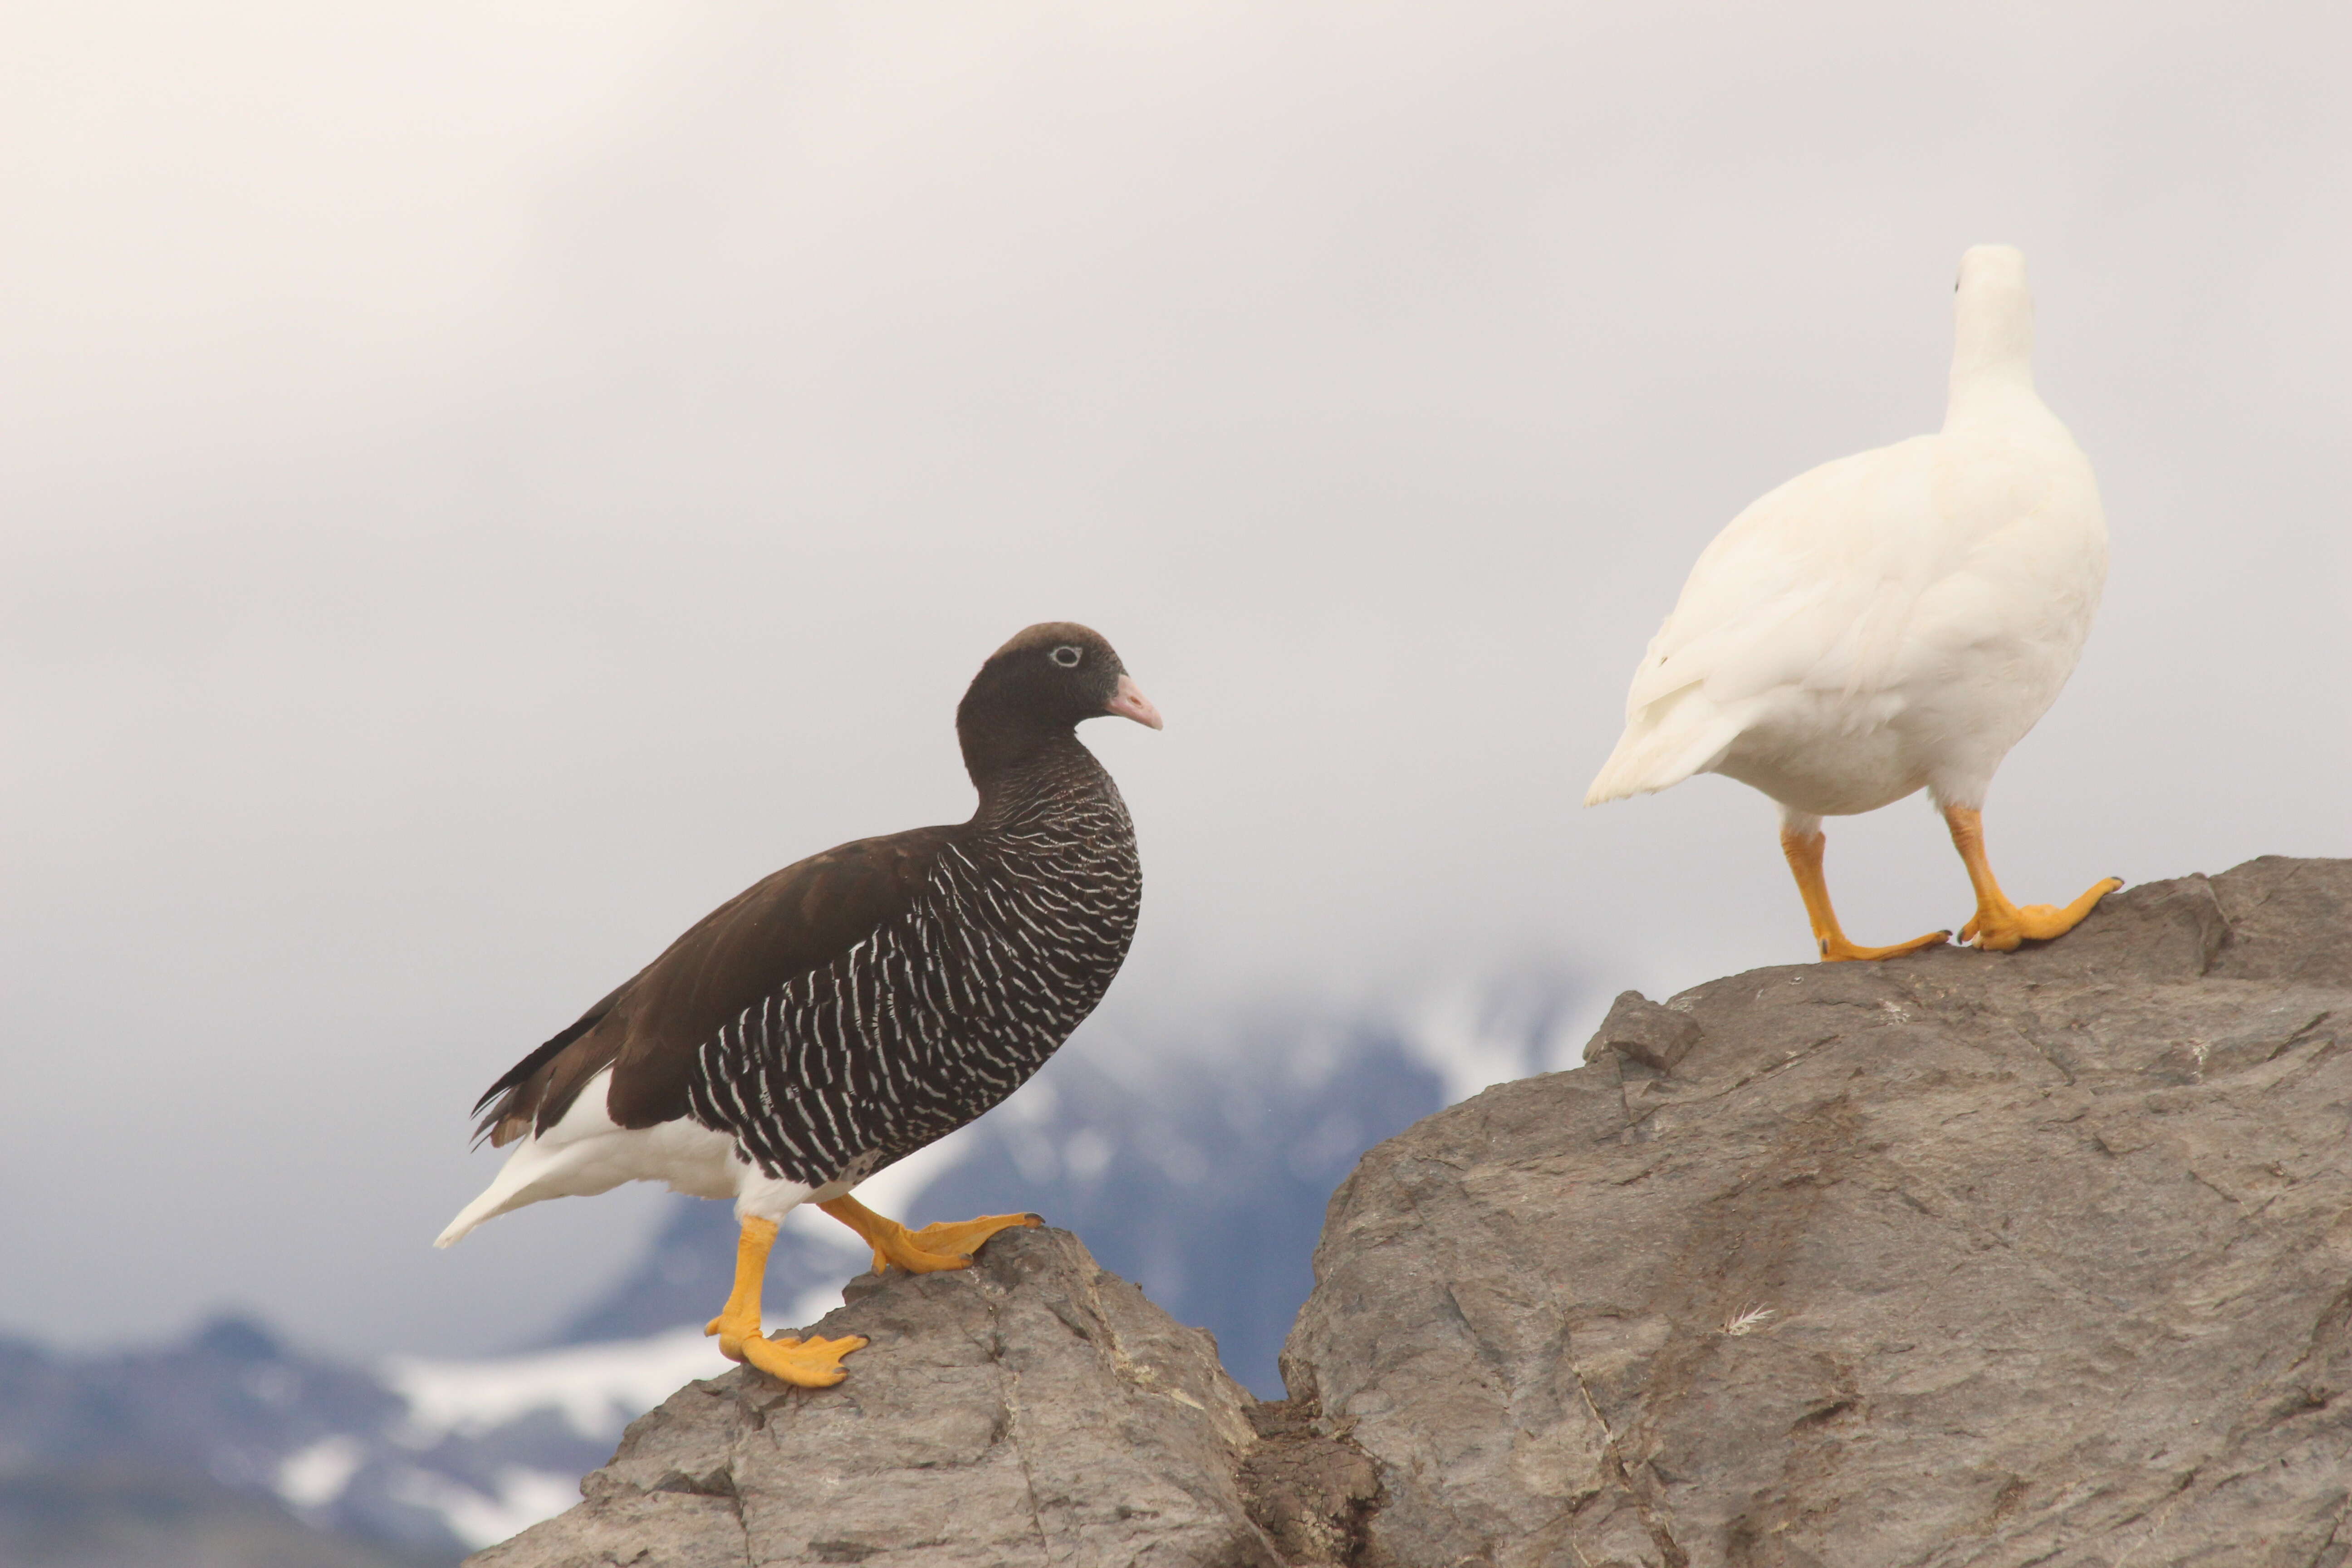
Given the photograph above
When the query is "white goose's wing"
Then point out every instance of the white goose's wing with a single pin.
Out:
(1815, 585)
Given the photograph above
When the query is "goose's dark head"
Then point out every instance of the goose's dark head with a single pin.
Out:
(1043, 684)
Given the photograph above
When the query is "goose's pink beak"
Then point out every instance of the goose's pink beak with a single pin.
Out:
(1129, 702)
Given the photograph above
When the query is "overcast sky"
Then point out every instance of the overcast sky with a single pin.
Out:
(484, 483)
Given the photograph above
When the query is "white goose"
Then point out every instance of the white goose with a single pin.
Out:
(1892, 621)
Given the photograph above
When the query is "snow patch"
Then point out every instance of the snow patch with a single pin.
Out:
(524, 1498)
(598, 1389)
(1087, 1154)
(1454, 1036)
(314, 1477)
(807, 1307)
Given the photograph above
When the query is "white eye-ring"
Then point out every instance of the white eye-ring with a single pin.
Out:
(1067, 656)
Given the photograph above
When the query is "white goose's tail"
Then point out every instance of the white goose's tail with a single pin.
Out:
(1665, 743)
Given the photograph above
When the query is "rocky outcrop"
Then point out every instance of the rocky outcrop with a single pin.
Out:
(1032, 1409)
(2040, 1258)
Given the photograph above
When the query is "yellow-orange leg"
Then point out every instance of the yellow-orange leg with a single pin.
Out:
(1804, 853)
(924, 1251)
(1997, 924)
(811, 1363)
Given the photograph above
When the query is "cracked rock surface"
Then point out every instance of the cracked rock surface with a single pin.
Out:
(2042, 1257)
(1032, 1409)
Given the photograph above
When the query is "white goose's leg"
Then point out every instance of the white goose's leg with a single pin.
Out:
(1999, 925)
(1802, 842)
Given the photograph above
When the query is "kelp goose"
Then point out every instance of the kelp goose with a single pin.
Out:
(855, 1007)
(1891, 621)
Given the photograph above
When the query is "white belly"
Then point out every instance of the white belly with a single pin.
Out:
(1814, 752)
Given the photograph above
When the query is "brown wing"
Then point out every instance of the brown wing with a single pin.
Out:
(649, 1030)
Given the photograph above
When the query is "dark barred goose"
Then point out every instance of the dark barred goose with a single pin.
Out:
(857, 1005)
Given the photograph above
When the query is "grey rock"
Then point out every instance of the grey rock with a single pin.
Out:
(1964, 1258)
(1645, 1033)
(1032, 1409)
(2031, 1258)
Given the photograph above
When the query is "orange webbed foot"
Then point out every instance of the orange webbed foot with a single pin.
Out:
(2002, 926)
(733, 1334)
(811, 1363)
(930, 1250)
(1836, 949)
(961, 1238)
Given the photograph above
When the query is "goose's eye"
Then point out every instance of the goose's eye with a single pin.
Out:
(1067, 657)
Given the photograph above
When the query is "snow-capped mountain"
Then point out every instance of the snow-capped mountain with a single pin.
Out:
(1200, 1173)
(233, 1433)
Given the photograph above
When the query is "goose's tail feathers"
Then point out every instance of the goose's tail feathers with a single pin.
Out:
(511, 1189)
(490, 1205)
(1665, 743)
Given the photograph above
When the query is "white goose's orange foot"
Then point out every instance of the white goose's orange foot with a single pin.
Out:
(1836, 949)
(1998, 926)
(1803, 848)
(812, 1363)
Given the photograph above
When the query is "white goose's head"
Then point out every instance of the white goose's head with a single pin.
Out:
(1992, 317)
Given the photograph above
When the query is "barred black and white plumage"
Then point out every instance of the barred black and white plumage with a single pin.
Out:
(947, 1007)
(858, 1004)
